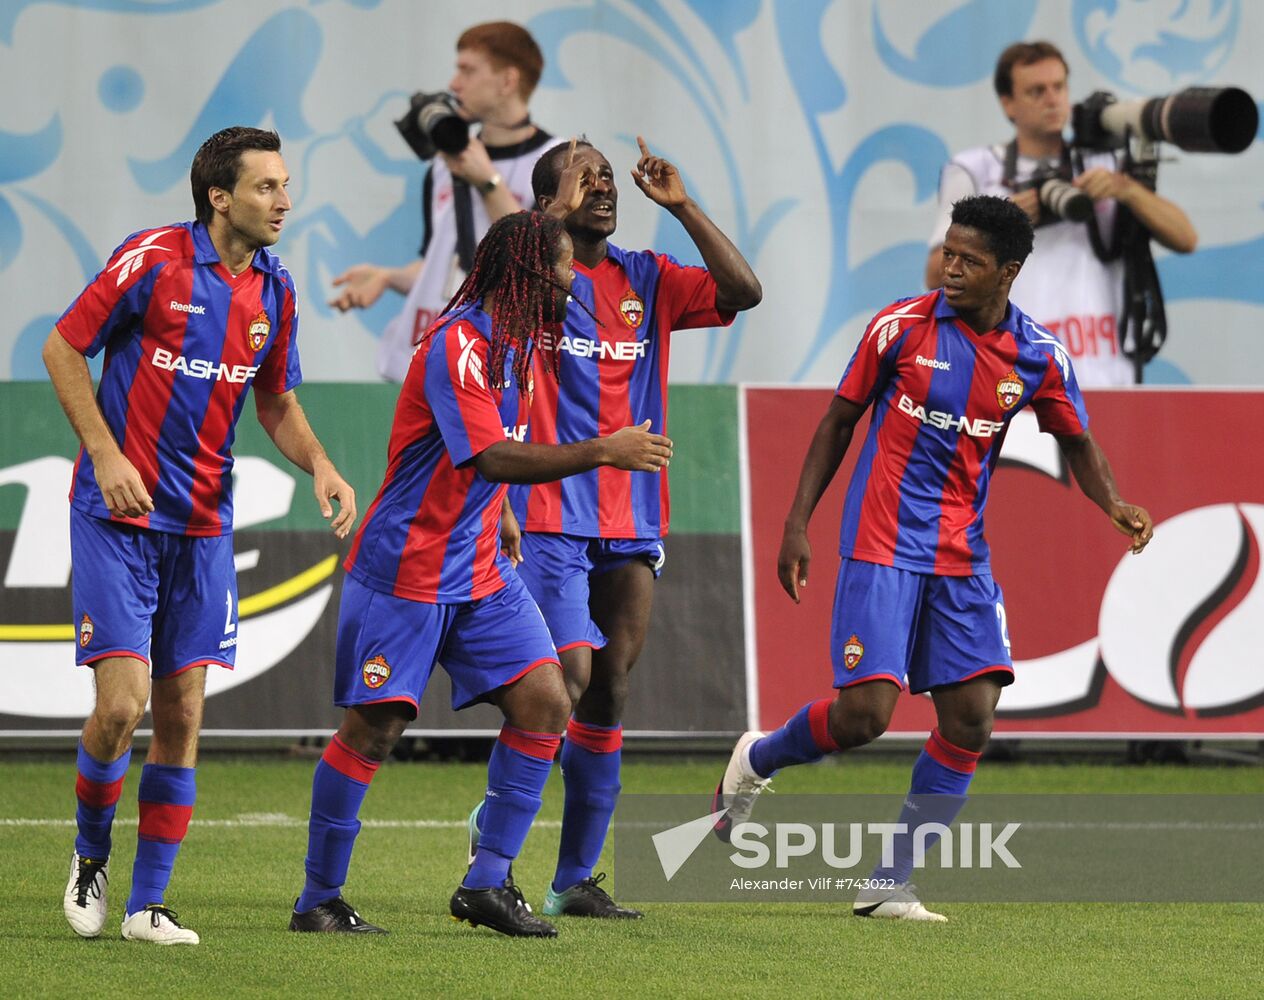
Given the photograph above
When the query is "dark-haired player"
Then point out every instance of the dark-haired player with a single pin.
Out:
(427, 581)
(592, 544)
(190, 317)
(915, 599)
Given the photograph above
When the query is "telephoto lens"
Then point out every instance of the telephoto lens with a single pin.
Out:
(1064, 200)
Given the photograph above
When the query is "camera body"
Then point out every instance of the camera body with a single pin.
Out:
(432, 124)
(1060, 200)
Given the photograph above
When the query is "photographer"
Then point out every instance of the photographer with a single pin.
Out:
(1070, 284)
(498, 65)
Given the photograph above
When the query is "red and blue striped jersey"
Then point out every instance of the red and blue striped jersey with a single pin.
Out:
(943, 397)
(612, 374)
(184, 339)
(433, 531)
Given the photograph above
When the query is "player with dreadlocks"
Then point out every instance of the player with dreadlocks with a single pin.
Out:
(427, 583)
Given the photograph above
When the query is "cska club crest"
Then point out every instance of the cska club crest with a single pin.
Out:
(259, 330)
(376, 672)
(632, 309)
(1009, 390)
(853, 652)
(86, 629)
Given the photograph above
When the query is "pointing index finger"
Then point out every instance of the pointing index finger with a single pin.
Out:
(570, 156)
(645, 150)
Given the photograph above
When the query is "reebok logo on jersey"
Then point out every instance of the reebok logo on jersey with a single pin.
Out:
(1009, 390)
(581, 347)
(202, 368)
(376, 672)
(887, 328)
(468, 361)
(943, 366)
(978, 427)
(188, 307)
(86, 628)
(130, 262)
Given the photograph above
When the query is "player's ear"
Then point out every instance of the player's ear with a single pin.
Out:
(219, 198)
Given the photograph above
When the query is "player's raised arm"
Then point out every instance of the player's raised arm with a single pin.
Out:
(1092, 472)
(737, 288)
(825, 454)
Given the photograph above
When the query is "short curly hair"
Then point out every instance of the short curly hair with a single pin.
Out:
(1005, 227)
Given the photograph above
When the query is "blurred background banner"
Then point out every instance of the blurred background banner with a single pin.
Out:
(1104, 644)
(811, 131)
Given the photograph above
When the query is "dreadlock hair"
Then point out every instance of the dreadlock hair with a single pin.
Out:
(514, 262)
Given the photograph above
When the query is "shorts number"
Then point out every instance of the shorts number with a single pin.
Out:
(230, 626)
(1004, 625)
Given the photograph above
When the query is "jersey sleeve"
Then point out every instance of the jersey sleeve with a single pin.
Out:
(873, 362)
(686, 295)
(280, 371)
(458, 394)
(116, 299)
(1058, 402)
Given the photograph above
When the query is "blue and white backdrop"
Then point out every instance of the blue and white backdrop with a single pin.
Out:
(811, 130)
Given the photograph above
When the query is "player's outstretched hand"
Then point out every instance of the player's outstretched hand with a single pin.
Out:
(658, 179)
(328, 486)
(362, 285)
(635, 449)
(121, 486)
(793, 560)
(1134, 522)
(510, 535)
(572, 184)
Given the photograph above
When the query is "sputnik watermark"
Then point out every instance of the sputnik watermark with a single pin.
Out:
(801, 840)
(756, 846)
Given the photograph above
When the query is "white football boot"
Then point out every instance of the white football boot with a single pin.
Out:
(84, 902)
(898, 902)
(737, 789)
(158, 924)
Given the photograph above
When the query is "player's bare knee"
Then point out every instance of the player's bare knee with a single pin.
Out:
(118, 714)
(855, 729)
(970, 732)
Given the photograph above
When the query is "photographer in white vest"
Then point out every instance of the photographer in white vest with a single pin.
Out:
(1069, 283)
(498, 65)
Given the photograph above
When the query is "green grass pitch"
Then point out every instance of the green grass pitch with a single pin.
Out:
(242, 866)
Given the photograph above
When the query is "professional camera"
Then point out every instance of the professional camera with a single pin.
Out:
(432, 124)
(1060, 200)
(1197, 119)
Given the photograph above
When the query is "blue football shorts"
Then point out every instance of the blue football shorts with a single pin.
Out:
(388, 646)
(917, 629)
(165, 599)
(557, 568)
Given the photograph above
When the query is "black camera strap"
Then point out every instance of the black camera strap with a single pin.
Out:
(463, 204)
(1143, 316)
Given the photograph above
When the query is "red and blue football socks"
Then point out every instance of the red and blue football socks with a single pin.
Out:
(516, 774)
(97, 789)
(591, 759)
(166, 794)
(803, 739)
(941, 778)
(339, 785)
